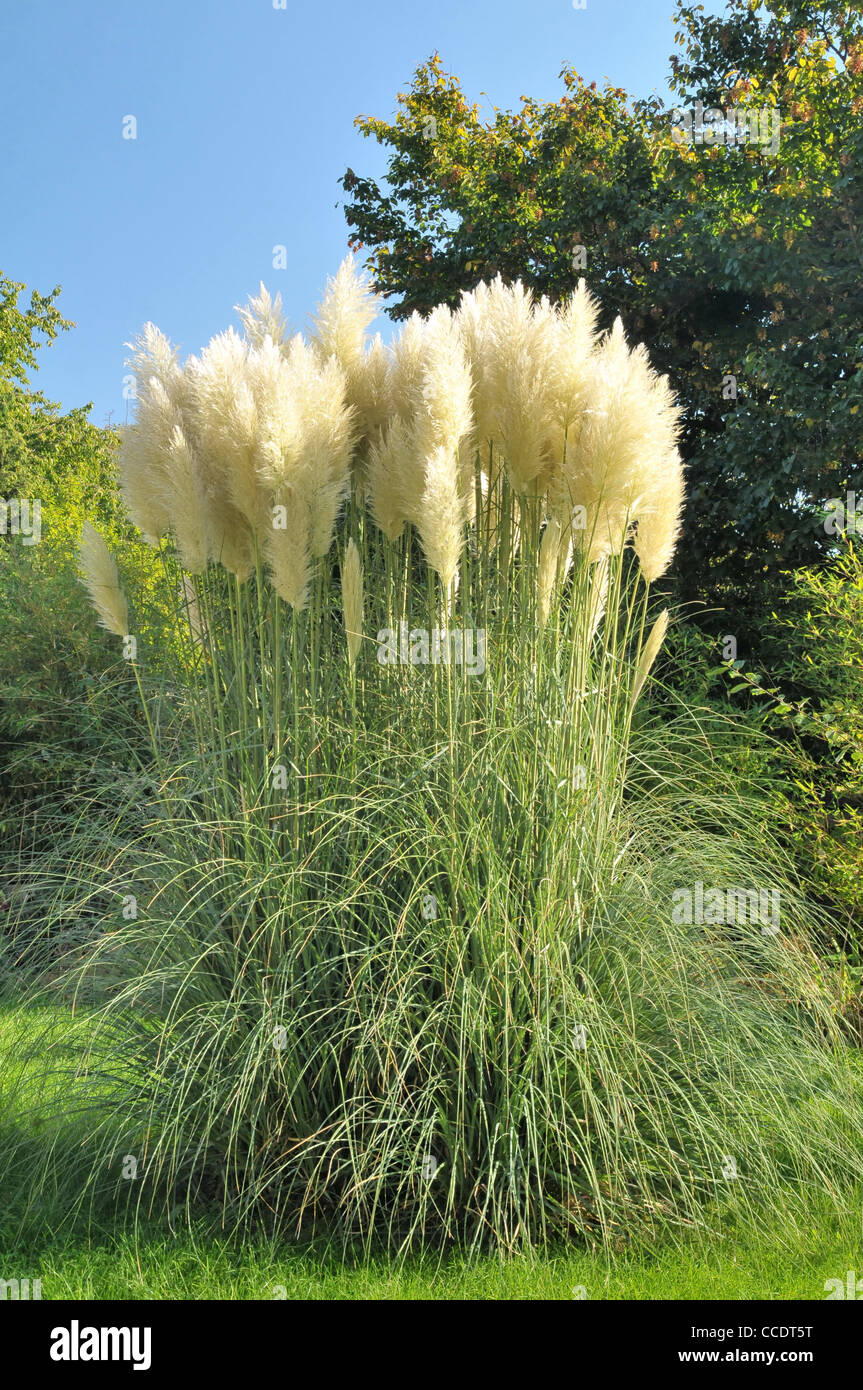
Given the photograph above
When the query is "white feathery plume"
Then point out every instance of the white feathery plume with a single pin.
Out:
(103, 582)
(391, 460)
(660, 506)
(407, 379)
(226, 429)
(442, 515)
(606, 472)
(472, 319)
(416, 462)
(262, 318)
(442, 423)
(547, 568)
(159, 388)
(303, 456)
(369, 388)
(574, 344)
(445, 416)
(344, 314)
(506, 385)
(659, 518)
(319, 459)
(649, 653)
(288, 553)
(520, 358)
(187, 503)
(352, 601)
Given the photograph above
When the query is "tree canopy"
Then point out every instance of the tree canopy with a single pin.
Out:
(39, 444)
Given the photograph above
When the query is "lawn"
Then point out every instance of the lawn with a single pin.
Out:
(99, 1259)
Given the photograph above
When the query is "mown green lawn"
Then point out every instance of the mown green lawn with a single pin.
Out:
(100, 1262)
(182, 1268)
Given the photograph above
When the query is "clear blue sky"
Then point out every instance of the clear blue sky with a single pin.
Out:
(244, 123)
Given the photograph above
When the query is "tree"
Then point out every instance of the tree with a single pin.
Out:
(39, 445)
(790, 227)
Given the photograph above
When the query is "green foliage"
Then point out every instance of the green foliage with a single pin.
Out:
(790, 728)
(62, 685)
(819, 633)
(36, 442)
(68, 724)
(788, 231)
(22, 329)
(97, 1258)
(469, 199)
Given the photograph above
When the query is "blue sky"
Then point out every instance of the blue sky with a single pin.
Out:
(244, 124)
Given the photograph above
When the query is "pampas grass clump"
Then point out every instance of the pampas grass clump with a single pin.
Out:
(406, 963)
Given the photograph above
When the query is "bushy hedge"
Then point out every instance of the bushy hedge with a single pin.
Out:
(810, 772)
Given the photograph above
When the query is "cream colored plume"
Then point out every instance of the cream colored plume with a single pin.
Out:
(661, 504)
(313, 453)
(659, 519)
(441, 398)
(226, 428)
(444, 415)
(606, 475)
(547, 569)
(344, 314)
(288, 552)
(143, 461)
(161, 469)
(517, 376)
(395, 479)
(232, 543)
(103, 582)
(414, 470)
(472, 319)
(262, 318)
(276, 422)
(369, 391)
(408, 369)
(260, 428)
(442, 515)
(352, 601)
(649, 653)
(216, 398)
(575, 341)
(188, 505)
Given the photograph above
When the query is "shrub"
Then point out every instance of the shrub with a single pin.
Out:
(71, 732)
(819, 628)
